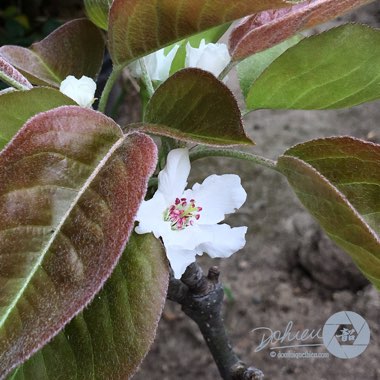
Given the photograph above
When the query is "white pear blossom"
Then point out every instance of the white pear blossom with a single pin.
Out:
(81, 90)
(187, 220)
(158, 64)
(210, 57)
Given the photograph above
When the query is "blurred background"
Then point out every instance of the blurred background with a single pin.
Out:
(289, 270)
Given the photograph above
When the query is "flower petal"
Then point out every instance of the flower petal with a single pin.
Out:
(151, 216)
(224, 240)
(180, 259)
(188, 238)
(172, 180)
(164, 63)
(81, 90)
(218, 195)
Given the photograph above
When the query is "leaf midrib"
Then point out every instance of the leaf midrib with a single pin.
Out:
(75, 201)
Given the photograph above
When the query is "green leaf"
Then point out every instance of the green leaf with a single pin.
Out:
(70, 187)
(11, 76)
(210, 36)
(139, 27)
(336, 69)
(251, 68)
(76, 48)
(97, 11)
(338, 180)
(18, 106)
(110, 338)
(263, 30)
(192, 105)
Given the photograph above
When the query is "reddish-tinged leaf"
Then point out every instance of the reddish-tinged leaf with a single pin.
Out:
(266, 29)
(109, 339)
(16, 107)
(338, 181)
(192, 105)
(76, 48)
(138, 27)
(70, 186)
(10, 75)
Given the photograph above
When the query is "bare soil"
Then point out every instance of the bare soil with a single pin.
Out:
(288, 270)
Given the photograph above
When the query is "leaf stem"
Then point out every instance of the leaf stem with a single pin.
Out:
(116, 71)
(226, 70)
(211, 152)
(13, 83)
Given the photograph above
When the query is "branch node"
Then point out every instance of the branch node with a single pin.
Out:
(201, 298)
(213, 274)
(241, 372)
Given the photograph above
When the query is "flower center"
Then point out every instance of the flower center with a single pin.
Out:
(182, 214)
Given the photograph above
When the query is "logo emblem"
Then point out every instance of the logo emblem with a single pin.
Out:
(346, 334)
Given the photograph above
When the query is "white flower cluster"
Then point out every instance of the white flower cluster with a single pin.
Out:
(210, 57)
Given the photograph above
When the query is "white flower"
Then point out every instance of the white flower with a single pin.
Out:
(187, 220)
(81, 90)
(209, 57)
(158, 64)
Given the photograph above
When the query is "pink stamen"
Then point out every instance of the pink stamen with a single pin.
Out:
(182, 213)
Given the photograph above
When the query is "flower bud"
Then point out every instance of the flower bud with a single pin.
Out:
(210, 57)
(157, 64)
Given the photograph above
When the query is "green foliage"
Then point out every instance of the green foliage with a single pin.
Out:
(337, 180)
(71, 181)
(325, 71)
(18, 106)
(193, 105)
(97, 11)
(251, 68)
(110, 338)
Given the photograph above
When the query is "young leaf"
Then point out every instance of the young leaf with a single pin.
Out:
(76, 48)
(192, 105)
(266, 29)
(70, 186)
(336, 69)
(11, 76)
(97, 11)
(110, 338)
(139, 27)
(17, 107)
(338, 180)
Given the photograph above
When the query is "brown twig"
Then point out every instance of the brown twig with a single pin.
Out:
(201, 298)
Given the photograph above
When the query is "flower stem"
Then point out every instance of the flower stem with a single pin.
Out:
(210, 152)
(146, 78)
(226, 70)
(116, 71)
